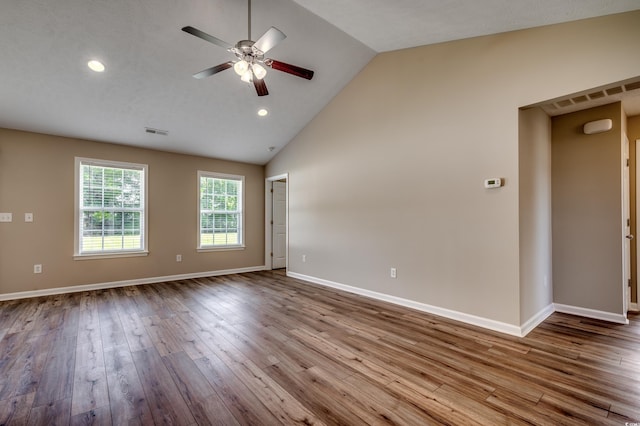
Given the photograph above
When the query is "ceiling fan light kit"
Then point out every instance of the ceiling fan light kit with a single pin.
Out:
(250, 64)
(241, 67)
(258, 71)
(247, 77)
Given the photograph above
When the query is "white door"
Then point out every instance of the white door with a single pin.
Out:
(626, 217)
(279, 226)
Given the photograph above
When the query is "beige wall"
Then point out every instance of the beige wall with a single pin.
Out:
(587, 213)
(391, 172)
(37, 175)
(536, 288)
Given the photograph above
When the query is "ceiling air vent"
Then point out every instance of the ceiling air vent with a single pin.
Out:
(156, 131)
(597, 95)
(614, 90)
(621, 91)
(632, 86)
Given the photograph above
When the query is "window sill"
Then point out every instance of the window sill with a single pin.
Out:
(222, 248)
(110, 255)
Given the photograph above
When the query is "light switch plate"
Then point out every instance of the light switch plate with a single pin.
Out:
(28, 217)
(6, 217)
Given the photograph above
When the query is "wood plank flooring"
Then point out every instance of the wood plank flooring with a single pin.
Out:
(264, 349)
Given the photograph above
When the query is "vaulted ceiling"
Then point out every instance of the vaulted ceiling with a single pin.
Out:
(46, 86)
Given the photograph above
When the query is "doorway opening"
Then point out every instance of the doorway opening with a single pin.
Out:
(276, 222)
(568, 241)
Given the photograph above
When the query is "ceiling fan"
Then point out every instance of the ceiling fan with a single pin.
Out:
(250, 63)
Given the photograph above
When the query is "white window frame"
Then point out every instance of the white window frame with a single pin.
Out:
(78, 254)
(241, 222)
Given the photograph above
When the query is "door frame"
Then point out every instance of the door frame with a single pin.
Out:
(636, 306)
(268, 216)
(626, 222)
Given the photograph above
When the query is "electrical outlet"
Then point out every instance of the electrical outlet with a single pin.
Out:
(393, 273)
(304, 258)
(37, 269)
(6, 217)
(178, 258)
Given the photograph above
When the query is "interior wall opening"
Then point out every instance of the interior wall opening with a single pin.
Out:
(628, 94)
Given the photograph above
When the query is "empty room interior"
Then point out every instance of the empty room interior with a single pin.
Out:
(297, 212)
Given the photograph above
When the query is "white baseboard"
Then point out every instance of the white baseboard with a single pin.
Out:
(443, 312)
(591, 313)
(634, 307)
(537, 319)
(115, 284)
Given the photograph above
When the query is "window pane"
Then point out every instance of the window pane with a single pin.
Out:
(232, 187)
(111, 197)
(220, 222)
(112, 224)
(111, 206)
(113, 177)
(220, 211)
(92, 221)
(131, 222)
(206, 202)
(92, 241)
(132, 242)
(232, 222)
(206, 221)
(95, 176)
(92, 197)
(218, 202)
(232, 203)
(131, 189)
(218, 186)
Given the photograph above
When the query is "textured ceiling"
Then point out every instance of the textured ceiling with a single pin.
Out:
(46, 86)
(391, 25)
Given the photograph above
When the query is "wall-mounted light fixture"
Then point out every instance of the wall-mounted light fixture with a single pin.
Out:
(598, 126)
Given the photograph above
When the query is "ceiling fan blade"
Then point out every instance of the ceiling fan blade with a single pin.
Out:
(288, 68)
(213, 70)
(211, 39)
(269, 39)
(261, 87)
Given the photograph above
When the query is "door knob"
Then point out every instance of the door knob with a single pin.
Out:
(630, 237)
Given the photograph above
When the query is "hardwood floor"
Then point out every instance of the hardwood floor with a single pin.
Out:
(263, 349)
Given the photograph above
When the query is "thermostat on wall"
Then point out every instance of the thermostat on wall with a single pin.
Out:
(493, 183)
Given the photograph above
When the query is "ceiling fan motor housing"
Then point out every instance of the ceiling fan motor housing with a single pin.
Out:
(244, 50)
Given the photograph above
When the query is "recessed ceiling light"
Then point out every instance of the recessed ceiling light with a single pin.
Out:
(96, 66)
(262, 112)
